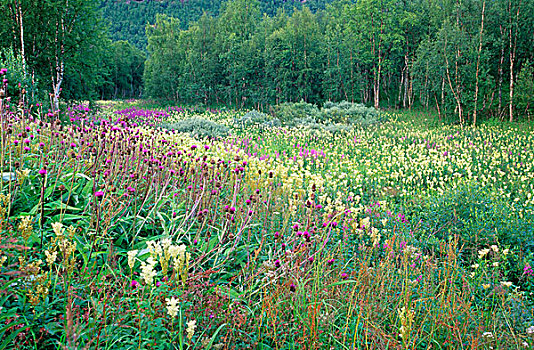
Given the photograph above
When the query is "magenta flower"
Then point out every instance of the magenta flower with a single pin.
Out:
(99, 194)
(42, 172)
(134, 284)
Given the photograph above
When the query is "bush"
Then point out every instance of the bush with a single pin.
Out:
(17, 79)
(338, 128)
(524, 97)
(305, 114)
(293, 114)
(257, 118)
(348, 113)
(477, 217)
(198, 128)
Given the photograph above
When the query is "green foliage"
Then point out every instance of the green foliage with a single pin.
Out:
(126, 71)
(254, 117)
(199, 128)
(18, 77)
(525, 90)
(64, 44)
(127, 19)
(477, 216)
(348, 113)
(384, 53)
(296, 113)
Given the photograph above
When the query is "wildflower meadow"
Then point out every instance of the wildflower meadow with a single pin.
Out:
(129, 227)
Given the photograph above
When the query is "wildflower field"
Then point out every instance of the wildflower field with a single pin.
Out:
(118, 231)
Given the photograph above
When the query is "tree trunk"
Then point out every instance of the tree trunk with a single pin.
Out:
(501, 63)
(513, 49)
(478, 63)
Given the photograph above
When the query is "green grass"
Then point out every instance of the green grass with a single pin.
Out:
(404, 234)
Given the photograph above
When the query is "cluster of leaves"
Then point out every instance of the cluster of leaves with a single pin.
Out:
(348, 113)
(198, 127)
(258, 118)
(127, 19)
(309, 115)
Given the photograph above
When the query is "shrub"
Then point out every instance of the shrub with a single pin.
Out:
(338, 128)
(524, 97)
(198, 128)
(348, 113)
(479, 219)
(299, 113)
(255, 117)
(305, 114)
(17, 79)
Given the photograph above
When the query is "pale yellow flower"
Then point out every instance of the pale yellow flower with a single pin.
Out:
(58, 228)
(147, 270)
(172, 306)
(191, 326)
(131, 258)
(50, 257)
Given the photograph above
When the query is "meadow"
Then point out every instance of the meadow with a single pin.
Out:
(119, 231)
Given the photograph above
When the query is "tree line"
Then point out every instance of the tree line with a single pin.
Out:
(131, 27)
(85, 49)
(468, 59)
(60, 50)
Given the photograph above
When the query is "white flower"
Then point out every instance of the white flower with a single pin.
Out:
(506, 284)
(131, 258)
(50, 257)
(147, 270)
(191, 325)
(58, 228)
(495, 248)
(175, 250)
(530, 330)
(172, 306)
(482, 253)
(365, 222)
